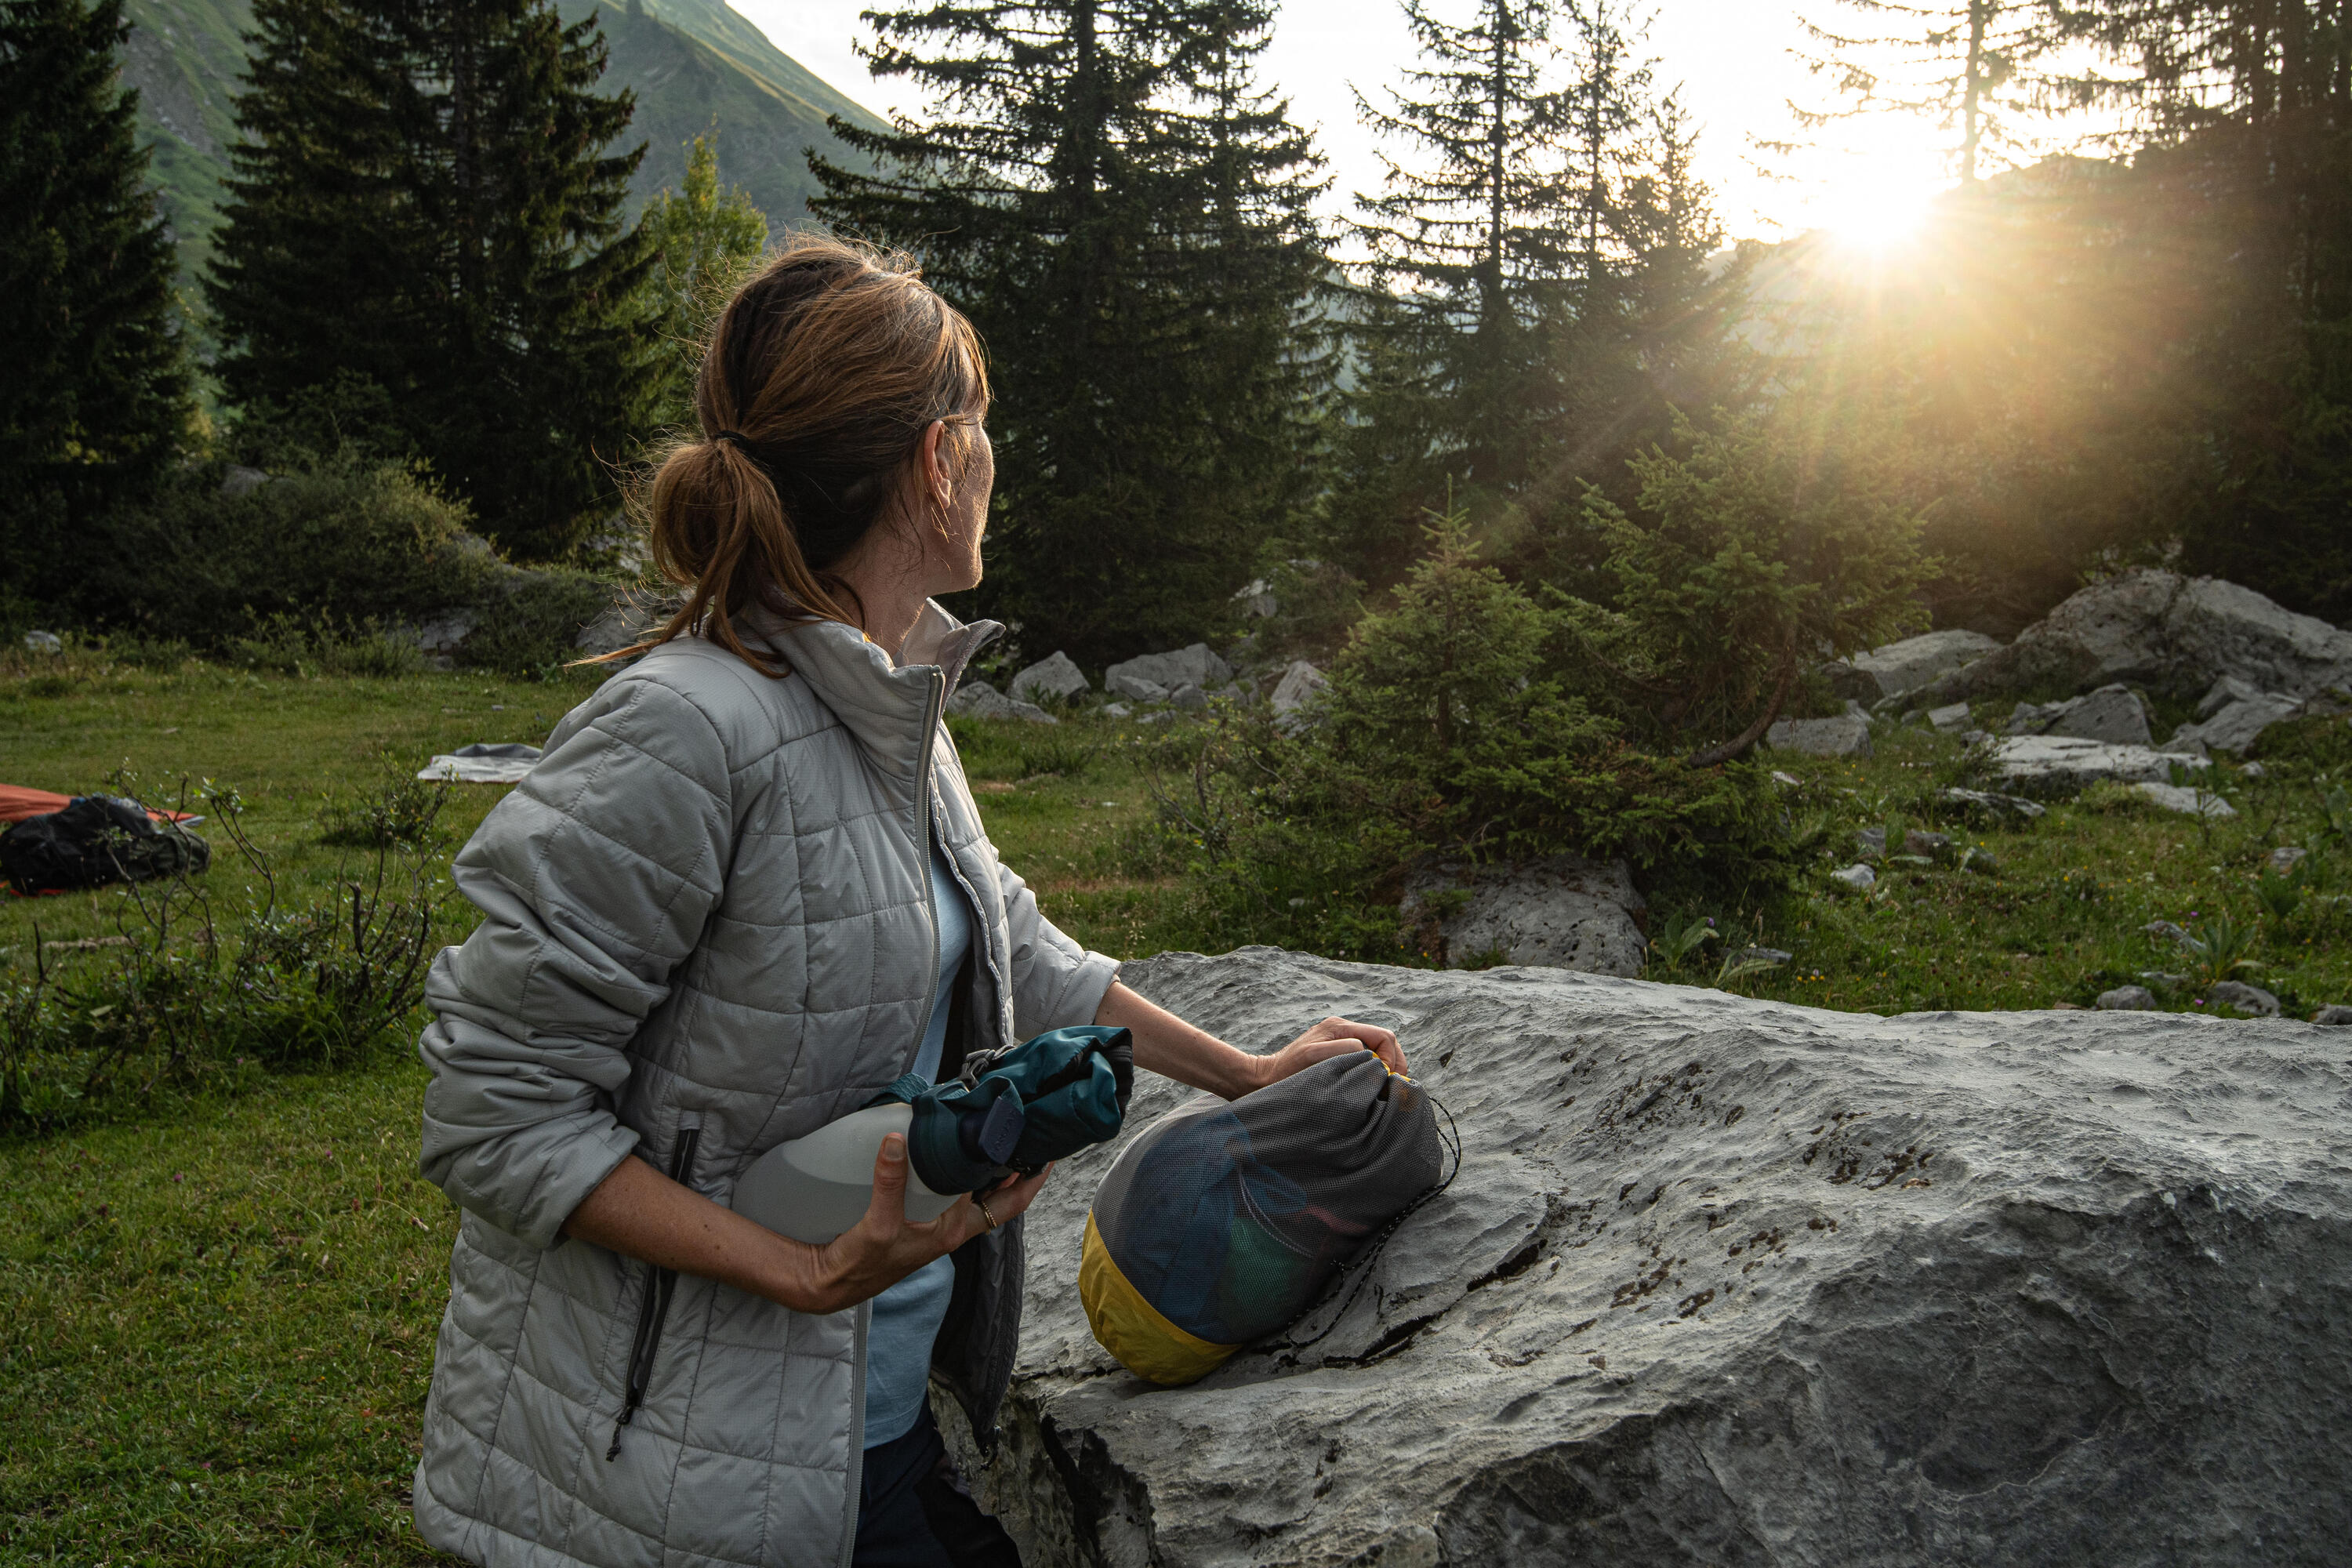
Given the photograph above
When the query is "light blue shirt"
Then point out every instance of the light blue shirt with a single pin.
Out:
(907, 1316)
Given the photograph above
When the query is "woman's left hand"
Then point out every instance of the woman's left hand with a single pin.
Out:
(1331, 1037)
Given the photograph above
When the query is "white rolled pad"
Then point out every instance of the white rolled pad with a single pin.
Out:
(813, 1188)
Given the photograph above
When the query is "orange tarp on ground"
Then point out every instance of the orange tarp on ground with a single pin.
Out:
(17, 804)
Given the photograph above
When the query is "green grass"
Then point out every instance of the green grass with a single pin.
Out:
(2060, 918)
(222, 1312)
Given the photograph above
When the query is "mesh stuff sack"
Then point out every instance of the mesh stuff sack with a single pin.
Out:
(1223, 1222)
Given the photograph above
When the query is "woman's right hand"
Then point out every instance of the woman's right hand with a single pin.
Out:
(885, 1246)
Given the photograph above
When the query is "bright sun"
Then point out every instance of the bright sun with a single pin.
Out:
(1875, 216)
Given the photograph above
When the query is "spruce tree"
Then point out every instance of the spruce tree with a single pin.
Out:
(1976, 68)
(704, 241)
(94, 398)
(1124, 217)
(1471, 239)
(426, 197)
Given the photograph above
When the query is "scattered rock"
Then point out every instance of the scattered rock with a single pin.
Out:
(2063, 765)
(1154, 676)
(1858, 877)
(2188, 801)
(2068, 1007)
(1870, 843)
(1565, 912)
(1847, 735)
(1116, 709)
(2155, 628)
(977, 700)
(635, 615)
(2286, 858)
(1984, 805)
(2234, 727)
(2336, 1013)
(2044, 1286)
(2251, 1000)
(2116, 714)
(1761, 957)
(2252, 771)
(1951, 719)
(2128, 999)
(2221, 693)
(240, 482)
(1188, 696)
(1854, 685)
(44, 642)
(1930, 845)
(1300, 684)
(1052, 678)
(2165, 930)
(1786, 781)
(1257, 598)
(439, 637)
(1902, 668)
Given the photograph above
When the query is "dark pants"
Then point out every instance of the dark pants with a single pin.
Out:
(914, 1511)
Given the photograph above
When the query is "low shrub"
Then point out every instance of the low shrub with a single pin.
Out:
(189, 995)
(533, 627)
(345, 539)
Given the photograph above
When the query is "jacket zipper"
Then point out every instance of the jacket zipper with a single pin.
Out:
(923, 851)
(660, 1285)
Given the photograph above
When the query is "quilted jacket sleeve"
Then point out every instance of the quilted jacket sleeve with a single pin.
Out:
(1055, 982)
(594, 878)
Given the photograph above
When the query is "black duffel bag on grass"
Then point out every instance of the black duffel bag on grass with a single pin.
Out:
(96, 840)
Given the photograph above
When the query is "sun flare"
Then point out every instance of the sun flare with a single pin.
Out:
(1876, 216)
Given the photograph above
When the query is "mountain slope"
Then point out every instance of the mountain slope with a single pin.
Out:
(694, 64)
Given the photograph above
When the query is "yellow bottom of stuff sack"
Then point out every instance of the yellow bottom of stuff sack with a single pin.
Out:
(1131, 1328)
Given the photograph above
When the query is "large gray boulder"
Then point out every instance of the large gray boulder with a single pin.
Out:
(1901, 668)
(1846, 735)
(979, 699)
(2063, 765)
(2116, 714)
(1155, 677)
(1056, 678)
(1294, 695)
(1737, 1282)
(1563, 913)
(2169, 633)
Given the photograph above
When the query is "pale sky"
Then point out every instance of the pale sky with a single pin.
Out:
(1730, 57)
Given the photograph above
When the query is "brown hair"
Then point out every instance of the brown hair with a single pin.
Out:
(820, 379)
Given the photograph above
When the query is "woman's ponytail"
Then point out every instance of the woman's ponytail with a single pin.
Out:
(822, 375)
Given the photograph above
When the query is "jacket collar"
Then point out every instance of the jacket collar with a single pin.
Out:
(884, 705)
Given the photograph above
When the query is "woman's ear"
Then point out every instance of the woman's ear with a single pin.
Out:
(938, 483)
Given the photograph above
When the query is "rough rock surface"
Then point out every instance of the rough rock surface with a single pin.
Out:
(2186, 800)
(2233, 726)
(2243, 998)
(1733, 1282)
(979, 699)
(1902, 668)
(1055, 676)
(2158, 629)
(2116, 714)
(1300, 684)
(1847, 735)
(1564, 912)
(1951, 719)
(2334, 1013)
(2054, 764)
(1153, 677)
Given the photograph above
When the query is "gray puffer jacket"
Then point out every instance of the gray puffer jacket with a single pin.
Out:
(706, 929)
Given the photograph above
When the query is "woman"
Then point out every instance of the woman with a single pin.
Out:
(745, 890)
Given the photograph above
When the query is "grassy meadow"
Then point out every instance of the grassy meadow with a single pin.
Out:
(222, 1308)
